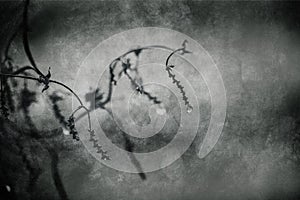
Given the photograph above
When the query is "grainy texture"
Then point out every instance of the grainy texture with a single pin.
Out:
(255, 45)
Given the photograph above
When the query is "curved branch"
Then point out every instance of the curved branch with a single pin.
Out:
(168, 58)
(113, 64)
(25, 40)
(68, 88)
(20, 76)
(58, 83)
(83, 107)
(78, 99)
(173, 77)
(145, 48)
(23, 69)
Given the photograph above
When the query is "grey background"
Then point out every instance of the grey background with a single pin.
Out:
(256, 48)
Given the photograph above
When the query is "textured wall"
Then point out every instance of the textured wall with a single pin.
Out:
(256, 47)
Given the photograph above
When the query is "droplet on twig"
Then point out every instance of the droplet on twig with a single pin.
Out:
(65, 131)
(189, 109)
(8, 188)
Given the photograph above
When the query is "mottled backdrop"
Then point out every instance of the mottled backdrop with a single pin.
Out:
(256, 47)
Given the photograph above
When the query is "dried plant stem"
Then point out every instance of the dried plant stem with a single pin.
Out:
(58, 83)
(114, 63)
(173, 76)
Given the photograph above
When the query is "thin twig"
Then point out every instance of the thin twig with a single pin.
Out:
(55, 82)
(114, 63)
(173, 77)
